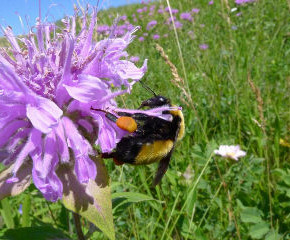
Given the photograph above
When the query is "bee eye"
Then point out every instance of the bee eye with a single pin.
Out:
(163, 100)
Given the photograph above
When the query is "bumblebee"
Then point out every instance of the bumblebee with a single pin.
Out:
(151, 139)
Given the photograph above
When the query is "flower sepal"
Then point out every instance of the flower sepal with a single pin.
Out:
(91, 200)
(13, 188)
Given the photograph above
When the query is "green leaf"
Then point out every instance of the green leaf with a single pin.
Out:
(6, 213)
(259, 230)
(285, 204)
(199, 235)
(251, 215)
(13, 189)
(132, 196)
(191, 201)
(39, 233)
(25, 211)
(272, 235)
(288, 193)
(286, 179)
(126, 198)
(92, 200)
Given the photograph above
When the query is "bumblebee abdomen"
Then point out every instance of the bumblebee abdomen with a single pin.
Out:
(153, 152)
(179, 115)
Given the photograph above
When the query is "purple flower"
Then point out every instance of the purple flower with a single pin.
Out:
(240, 2)
(203, 46)
(174, 11)
(20, 209)
(165, 35)
(47, 86)
(118, 31)
(141, 39)
(186, 16)
(103, 29)
(210, 3)
(239, 14)
(134, 59)
(169, 20)
(130, 27)
(123, 18)
(139, 10)
(156, 36)
(151, 24)
(195, 10)
(145, 34)
(160, 10)
(178, 24)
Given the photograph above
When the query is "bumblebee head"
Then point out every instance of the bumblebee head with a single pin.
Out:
(156, 101)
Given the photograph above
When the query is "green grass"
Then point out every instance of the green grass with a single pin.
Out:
(249, 199)
(201, 207)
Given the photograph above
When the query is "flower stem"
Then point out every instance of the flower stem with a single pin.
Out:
(77, 221)
(230, 208)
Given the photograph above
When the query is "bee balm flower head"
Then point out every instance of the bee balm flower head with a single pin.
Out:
(49, 80)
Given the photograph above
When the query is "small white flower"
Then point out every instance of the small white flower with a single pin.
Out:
(234, 9)
(232, 152)
(188, 174)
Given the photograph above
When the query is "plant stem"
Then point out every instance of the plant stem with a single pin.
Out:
(77, 221)
(230, 209)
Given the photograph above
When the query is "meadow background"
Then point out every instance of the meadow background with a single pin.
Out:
(233, 63)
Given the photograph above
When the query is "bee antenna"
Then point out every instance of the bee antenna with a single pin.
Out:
(147, 88)
(97, 109)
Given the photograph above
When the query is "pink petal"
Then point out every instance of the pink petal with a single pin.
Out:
(107, 134)
(44, 115)
(88, 89)
(8, 130)
(85, 169)
(128, 70)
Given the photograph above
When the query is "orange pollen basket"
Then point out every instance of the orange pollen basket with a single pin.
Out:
(127, 123)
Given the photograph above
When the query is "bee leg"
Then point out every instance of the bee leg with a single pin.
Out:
(108, 155)
(118, 162)
(136, 116)
(112, 155)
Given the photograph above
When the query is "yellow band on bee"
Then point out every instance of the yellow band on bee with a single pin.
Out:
(152, 152)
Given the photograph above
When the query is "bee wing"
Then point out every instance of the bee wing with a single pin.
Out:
(162, 168)
(164, 163)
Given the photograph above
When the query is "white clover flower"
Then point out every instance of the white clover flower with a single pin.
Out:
(232, 152)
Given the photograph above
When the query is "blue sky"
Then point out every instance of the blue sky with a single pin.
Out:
(10, 10)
